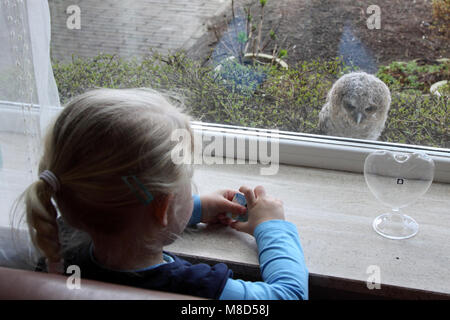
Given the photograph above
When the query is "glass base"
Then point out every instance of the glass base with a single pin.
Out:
(395, 226)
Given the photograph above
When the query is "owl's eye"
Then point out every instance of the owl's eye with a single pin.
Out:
(349, 107)
(371, 109)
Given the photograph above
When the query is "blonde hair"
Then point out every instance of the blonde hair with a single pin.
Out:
(99, 137)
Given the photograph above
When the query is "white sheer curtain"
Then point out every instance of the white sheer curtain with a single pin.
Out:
(28, 95)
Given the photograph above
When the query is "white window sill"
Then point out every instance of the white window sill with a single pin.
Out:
(333, 212)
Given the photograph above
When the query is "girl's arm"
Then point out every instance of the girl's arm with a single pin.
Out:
(282, 264)
(213, 207)
(281, 258)
(196, 211)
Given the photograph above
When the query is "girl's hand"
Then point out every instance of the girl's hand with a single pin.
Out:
(260, 208)
(216, 205)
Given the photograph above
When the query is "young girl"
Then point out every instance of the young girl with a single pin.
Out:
(108, 167)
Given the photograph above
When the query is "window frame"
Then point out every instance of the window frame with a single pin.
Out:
(298, 149)
(324, 152)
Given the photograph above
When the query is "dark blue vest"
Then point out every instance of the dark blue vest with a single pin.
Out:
(179, 276)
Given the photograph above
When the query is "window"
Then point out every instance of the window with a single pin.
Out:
(269, 64)
(215, 55)
(245, 79)
(244, 76)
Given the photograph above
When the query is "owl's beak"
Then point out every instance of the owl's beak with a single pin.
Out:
(358, 117)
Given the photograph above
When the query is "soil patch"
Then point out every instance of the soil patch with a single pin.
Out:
(328, 28)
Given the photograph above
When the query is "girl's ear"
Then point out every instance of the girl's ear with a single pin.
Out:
(159, 207)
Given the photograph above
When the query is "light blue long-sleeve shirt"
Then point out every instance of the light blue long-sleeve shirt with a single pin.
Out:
(281, 261)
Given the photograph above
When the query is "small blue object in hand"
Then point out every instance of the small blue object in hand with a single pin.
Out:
(239, 198)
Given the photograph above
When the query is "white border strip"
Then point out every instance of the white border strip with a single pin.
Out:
(299, 149)
(335, 153)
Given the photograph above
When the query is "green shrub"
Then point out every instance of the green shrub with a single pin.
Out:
(286, 100)
(411, 76)
(298, 94)
(210, 95)
(241, 77)
(445, 90)
(418, 119)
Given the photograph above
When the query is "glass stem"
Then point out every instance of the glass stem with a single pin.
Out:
(395, 215)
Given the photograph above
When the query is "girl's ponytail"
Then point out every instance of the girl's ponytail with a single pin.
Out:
(41, 218)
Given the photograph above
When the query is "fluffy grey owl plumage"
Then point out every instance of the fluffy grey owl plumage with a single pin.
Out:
(356, 107)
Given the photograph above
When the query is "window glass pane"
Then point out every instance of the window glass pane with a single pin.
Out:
(270, 64)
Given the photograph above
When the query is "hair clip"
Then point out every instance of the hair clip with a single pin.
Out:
(148, 196)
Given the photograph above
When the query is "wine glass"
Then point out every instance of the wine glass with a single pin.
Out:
(397, 180)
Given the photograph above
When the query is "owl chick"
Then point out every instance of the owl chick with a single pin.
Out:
(356, 107)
